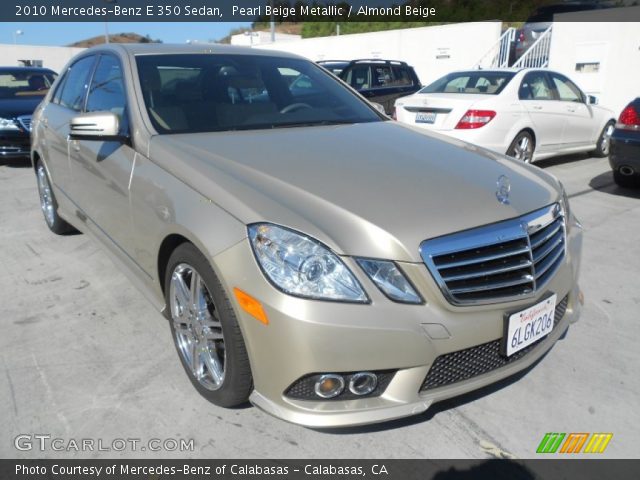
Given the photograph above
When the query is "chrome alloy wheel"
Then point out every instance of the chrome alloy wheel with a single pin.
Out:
(605, 140)
(46, 197)
(198, 331)
(523, 149)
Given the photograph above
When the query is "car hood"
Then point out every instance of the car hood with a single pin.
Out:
(374, 189)
(14, 107)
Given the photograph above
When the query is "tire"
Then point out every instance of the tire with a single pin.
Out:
(49, 204)
(205, 330)
(626, 181)
(522, 147)
(604, 141)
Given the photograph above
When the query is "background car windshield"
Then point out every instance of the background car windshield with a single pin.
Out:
(489, 83)
(202, 93)
(25, 83)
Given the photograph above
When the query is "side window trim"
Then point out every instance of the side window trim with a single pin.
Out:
(92, 72)
(55, 96)
(551, 85)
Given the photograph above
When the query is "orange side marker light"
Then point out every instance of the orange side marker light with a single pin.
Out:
(250, 305)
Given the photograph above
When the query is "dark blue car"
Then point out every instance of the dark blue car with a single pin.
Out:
(21, 90)
(625, 146)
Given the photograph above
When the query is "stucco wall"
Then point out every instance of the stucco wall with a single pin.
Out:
(432, 51)
(54, 58)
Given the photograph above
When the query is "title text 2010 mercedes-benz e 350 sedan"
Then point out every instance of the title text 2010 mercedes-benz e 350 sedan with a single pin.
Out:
(331, 266)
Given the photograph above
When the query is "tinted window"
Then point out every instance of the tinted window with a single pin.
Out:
(534, 86)
(381, 76)
(567, 90)
(75, 84)
(358, 77)
(401, 76)
(23, 83)
(490, 83)
(199, 93)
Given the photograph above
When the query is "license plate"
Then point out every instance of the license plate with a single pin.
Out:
(425, 117)
(530, 325)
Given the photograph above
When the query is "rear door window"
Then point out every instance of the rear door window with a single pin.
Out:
(401, 76)
(359, 77)
(535, 86)
(381, 76)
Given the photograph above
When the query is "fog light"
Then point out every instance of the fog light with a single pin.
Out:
(329, 385)
(363, 383)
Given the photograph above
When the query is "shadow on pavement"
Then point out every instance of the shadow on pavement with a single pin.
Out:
(604, 183)
(15, 163)
(490, 469)
(561, 160)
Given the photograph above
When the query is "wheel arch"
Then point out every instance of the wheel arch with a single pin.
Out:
(167, 247)
(530, 131)
(175, 237)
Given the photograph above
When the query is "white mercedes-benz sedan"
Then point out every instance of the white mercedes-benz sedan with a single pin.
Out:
(529, 114)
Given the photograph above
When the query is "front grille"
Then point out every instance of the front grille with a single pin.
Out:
(464, 364)
(499, 262)
(25, 122)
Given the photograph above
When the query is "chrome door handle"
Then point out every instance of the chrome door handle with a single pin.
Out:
(571, 109)
(537, 107)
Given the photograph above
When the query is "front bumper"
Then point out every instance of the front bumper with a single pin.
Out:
(14, 144)
(306, 336)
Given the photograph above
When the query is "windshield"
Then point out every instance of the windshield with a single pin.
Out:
(25, 83)
(489, 83)
(208, 93)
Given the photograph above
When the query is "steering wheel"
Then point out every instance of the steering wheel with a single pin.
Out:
(295, 106)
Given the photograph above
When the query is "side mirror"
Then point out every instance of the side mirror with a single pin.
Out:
(592, 100)
(96, 126)
(378, 107)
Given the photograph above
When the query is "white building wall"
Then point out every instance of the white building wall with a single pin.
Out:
(258, 38)
(602, 58)
(54, 58)
(432, 51)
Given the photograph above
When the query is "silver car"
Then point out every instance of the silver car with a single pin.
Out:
(313, 257)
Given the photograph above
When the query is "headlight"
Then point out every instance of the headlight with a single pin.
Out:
(8, 124)
(301, 266)
(390, 280)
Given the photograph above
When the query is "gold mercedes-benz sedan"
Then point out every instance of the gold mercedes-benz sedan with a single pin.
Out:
(329, 265)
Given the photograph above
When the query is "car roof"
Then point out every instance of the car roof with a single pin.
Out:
(503, 70)
(133, 49)
(381, 61)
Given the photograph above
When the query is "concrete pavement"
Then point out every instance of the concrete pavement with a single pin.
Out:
(84, 356)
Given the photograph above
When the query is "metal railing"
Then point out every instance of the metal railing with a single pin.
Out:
(537, 55)
(498, 54)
